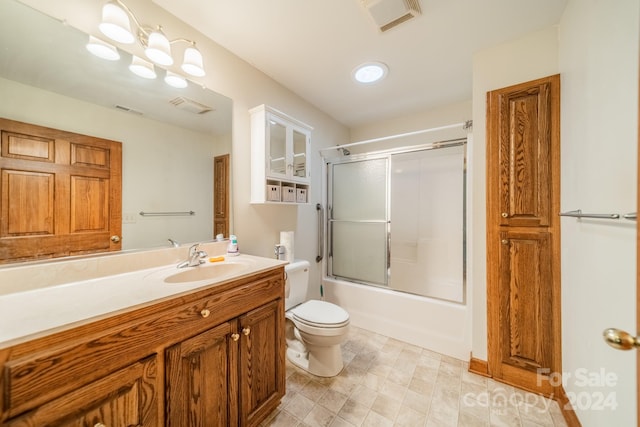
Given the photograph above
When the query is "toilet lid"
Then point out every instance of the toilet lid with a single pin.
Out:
(320, 312)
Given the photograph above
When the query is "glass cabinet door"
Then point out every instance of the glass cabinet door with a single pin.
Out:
(299, 154)
(277, 162)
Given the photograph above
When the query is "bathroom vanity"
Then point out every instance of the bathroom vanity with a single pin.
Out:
(200, 351)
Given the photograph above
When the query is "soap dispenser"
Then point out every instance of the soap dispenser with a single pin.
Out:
(232, 247)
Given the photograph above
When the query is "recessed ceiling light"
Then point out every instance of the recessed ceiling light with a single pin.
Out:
(370, 72)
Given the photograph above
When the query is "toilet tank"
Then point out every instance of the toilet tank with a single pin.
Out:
(297, 283)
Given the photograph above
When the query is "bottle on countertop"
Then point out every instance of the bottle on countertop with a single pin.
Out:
(232, 248)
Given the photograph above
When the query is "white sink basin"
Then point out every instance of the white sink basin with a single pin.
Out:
(207, 271)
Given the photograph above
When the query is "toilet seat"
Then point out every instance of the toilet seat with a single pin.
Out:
(320, 314)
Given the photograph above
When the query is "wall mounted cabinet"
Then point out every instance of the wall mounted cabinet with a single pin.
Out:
(280, 151)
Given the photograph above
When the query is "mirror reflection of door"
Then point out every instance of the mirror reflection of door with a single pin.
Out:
(221, 195)
(60, 193)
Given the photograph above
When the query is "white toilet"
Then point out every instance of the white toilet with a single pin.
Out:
(314, 329)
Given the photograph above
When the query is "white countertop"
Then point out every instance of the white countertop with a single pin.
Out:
(44, 309)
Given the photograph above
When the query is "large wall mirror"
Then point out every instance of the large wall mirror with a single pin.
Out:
(48, 78)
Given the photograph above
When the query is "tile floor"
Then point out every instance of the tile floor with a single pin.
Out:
(386, 382)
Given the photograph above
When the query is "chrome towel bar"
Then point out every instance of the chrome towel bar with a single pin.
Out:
(189, 213)
(578, 214)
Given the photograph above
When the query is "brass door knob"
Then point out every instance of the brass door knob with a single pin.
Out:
(235, 337)
(620, 340)
(505, 215)
(205, 313)
(115, 239)
(246, 331)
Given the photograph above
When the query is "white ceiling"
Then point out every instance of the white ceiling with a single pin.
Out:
(311, 47)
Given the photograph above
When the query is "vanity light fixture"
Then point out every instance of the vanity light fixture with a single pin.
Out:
(142, 68)
(116, 24)
(102, 49)
(370, 72)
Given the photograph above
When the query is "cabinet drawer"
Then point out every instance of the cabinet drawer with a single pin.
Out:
(127, 397)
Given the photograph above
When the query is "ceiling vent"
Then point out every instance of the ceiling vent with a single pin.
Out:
(390, 13)
(190, 105)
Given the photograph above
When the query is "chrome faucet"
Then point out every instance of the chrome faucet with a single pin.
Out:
(173, 243)
(195, 257)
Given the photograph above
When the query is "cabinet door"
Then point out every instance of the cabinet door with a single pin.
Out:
(300, 162)
(201, 380)
(277, 156)
(262, 362)
(526, 306)
(127, 397)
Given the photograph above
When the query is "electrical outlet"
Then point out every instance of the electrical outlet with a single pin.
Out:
(128, 218)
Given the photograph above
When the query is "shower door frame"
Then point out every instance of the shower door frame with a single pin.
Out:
(387, 154)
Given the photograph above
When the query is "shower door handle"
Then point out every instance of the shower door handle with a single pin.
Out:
(388, 245)
(320, 232)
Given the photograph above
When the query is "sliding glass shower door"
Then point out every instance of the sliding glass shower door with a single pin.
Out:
(358, 220)
(397, 220)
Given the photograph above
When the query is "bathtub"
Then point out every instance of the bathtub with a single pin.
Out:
(437, 325)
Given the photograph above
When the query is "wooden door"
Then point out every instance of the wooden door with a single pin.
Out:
(127, 397)
(60, 193)
(201, 380)
(221, 195)
(262, 362)
(523, 233)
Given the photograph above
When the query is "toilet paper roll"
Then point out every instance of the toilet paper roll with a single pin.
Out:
(286, 240)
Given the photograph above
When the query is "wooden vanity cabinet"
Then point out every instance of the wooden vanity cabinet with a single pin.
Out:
(213, 357)
(205, 371)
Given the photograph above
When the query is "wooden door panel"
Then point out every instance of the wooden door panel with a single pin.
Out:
(31, 212)
(200, 377)
(524, 136)
(89, 204)
(61, 193)
(28, 147)
(86, 155)
(526, 300)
